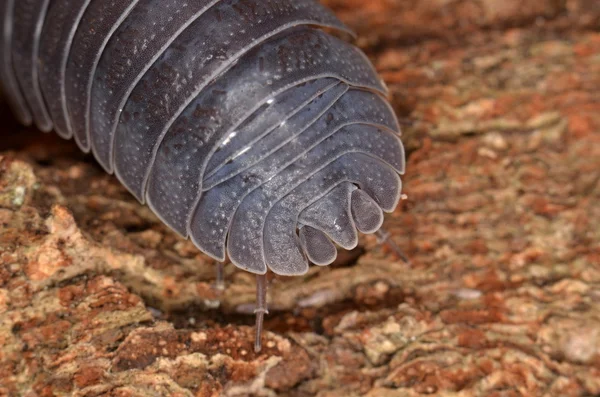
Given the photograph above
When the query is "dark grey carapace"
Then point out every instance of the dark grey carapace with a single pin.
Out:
(241, 123)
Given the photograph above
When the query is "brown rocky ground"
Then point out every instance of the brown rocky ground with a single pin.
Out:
(502, 224)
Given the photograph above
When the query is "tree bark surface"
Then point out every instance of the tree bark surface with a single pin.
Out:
(500, 102)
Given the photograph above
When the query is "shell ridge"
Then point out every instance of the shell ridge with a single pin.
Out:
(25, 50)
(10, 84)
(79, 117)
(62, 22)
(105, 138)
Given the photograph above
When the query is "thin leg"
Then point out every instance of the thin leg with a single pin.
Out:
(384, 237)
(407, 121)
(218, 287)
(261, 309)
(220, 279)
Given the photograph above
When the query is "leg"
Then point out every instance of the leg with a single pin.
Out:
(218, 286)
(261, 308)
(220, 279)
(383, 236)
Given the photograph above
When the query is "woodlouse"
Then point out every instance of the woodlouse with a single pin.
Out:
(243, 124)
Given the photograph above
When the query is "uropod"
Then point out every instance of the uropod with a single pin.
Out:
(247, 126)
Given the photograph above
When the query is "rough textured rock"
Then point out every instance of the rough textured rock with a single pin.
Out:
(501, 102)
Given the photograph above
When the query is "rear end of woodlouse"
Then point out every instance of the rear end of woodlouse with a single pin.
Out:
(247, 126)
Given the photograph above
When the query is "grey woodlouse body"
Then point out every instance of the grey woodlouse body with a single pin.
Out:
(241, 123)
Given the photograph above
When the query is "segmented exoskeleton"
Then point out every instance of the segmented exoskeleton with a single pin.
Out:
(243, 124)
